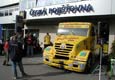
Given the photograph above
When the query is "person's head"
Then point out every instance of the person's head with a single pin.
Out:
(47, 33)
(7, 39)
(13, 38)
(30, 34)
(14, 34)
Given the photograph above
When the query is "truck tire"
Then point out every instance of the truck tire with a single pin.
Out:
(88, 65)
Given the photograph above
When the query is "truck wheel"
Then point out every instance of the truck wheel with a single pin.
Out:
(88, 65)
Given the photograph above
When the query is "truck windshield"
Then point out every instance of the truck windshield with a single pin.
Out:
(74, 31)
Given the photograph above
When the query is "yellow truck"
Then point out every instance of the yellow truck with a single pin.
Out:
(74, 48)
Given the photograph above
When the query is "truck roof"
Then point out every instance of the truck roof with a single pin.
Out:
(75, 24)
(80, 23)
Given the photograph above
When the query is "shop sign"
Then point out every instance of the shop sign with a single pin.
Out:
(64, 9)
(84, 8)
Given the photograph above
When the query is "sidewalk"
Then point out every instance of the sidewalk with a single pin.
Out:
(33, 60)
(38, 71)
(29, 60)
(31, 67)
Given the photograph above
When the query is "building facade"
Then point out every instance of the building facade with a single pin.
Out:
(7, 7)
(44, 15)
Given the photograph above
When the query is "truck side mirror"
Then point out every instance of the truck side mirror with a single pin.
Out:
(93, 33)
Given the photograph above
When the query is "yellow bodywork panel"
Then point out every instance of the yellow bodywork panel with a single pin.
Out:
(83, 55)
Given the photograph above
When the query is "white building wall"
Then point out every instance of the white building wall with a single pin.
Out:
(6, 20)
(9, 18)
(7, 2)
(111, 34)
(113, 6)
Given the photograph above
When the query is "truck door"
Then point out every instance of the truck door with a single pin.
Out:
(92, 38)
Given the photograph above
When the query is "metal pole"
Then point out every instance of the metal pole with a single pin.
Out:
(99, 25)
(15, 24)
(15, 27)
(100, 62)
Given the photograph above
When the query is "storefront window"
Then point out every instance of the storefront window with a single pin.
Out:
(10, 11)
(75, 0)
(16, 9)
(59, 1)
(1, 13)
(6, 12)
(72, 0)
(49, 2)
(42, 3)
(31, 4)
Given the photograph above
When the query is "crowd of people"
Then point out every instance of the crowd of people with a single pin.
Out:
(13, 49)
(32, 45)
(16, 47)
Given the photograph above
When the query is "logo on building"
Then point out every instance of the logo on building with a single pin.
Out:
(63, 9)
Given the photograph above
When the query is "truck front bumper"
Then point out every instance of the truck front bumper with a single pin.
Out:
(77, 66)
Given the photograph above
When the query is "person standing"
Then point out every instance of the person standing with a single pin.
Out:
(25, 44)
(6, 52)
(16, 56)
(47, 41)
(35, 50)
(30, 46)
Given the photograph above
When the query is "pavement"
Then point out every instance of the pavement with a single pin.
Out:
(36, 70)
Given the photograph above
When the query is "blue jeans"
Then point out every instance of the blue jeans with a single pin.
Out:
(30, 50)
(20, 65)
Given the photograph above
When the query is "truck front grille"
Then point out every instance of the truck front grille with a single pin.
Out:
(63, 53)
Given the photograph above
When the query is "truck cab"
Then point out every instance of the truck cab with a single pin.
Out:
(74, 47)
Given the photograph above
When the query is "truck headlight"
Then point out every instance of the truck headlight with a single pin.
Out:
(82, 54)
(82, 66)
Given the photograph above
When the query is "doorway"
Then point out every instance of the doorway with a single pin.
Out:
(104, 34)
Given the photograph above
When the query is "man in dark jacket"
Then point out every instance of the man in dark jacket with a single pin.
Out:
(16, 56)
